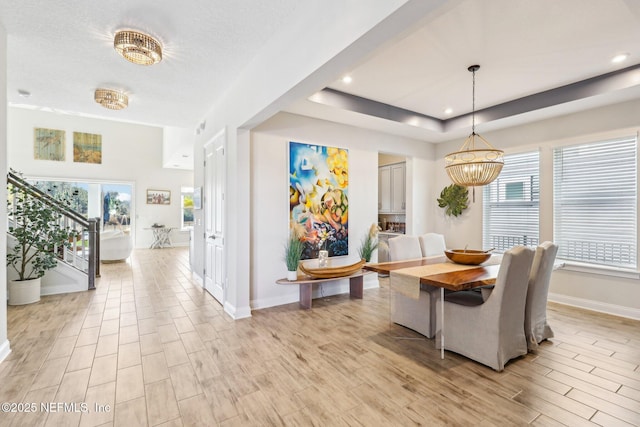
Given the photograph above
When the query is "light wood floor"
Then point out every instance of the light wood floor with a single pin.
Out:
(160, 351)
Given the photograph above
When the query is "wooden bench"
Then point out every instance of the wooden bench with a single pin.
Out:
(356, 286)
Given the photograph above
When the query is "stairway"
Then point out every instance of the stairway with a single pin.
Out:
(78, 265)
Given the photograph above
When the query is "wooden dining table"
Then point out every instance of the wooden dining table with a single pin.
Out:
(438, 271)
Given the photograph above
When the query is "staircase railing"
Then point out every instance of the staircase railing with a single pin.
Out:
(84, 251)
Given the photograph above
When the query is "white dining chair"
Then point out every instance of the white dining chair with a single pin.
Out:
(535, 317)
(416, 314)
(490, 332)
(432, 244)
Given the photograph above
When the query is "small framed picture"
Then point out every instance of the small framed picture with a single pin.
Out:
(158, 197)
(197, 198)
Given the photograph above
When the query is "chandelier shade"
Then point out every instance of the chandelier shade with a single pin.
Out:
(474, 167)
(471, 166)
(111, 99)
(137, 47)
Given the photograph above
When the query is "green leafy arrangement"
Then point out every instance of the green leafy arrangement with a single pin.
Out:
(369, 243)
(293, 252)
(38, 234)
(455, 198)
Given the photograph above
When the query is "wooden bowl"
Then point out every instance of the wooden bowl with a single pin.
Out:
(468, 257)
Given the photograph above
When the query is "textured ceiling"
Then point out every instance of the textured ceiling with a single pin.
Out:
(62, 50)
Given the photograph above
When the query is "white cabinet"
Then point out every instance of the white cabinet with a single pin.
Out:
(391, 189)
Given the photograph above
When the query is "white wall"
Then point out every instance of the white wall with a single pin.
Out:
(4, 342)
(320, 45)
(130, 153)
(595, 291)
(270, 197)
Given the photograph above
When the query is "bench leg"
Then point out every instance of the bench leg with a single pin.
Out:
(356, 286)
(305, 295)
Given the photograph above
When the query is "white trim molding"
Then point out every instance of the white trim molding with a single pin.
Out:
(602, 307)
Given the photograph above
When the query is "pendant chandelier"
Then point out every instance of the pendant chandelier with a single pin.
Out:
(471, 166)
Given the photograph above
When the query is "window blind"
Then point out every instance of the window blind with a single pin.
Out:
(595, 202)
(511, 204)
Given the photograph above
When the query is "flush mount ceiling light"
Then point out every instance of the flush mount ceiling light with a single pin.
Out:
(619, 58)
(471, 166)
(111, 99)
(137, 47)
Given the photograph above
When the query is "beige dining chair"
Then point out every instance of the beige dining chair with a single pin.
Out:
(490, 332)
(535, 316)
(432, 244)
(411, 313)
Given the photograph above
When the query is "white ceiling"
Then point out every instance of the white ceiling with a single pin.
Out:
(61, 51)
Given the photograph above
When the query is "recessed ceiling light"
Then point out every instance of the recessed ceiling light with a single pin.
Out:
(24, 93)
(448, 111)
(347, 79)
(619, 58)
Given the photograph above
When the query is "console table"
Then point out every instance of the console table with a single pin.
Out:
(161, 237)
(356, 286)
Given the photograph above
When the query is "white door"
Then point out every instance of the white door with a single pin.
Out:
(214, 217)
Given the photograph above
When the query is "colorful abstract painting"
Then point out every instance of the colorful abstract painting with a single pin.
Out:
(318, 202)
(48, 144)
(87, 148)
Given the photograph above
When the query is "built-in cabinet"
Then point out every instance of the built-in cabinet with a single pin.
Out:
(391, 188)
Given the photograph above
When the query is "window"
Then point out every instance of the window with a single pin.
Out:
(595, 199)
(187, 207)
(511, 204)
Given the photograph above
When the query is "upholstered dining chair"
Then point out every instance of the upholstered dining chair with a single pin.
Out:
(432, 244)
(535, 315)
(490, 332)
(404, 247)
(411, 313)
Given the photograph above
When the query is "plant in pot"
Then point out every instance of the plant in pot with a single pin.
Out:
(293, 250)
(369, 243)
(37, 234)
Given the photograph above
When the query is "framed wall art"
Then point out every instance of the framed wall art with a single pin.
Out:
(318, 197)
(158, 197)
(48, 144)
(87, 148)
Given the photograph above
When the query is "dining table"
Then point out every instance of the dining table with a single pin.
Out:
(406, 277)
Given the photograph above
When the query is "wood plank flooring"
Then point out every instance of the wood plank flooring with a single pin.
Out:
(159, 351)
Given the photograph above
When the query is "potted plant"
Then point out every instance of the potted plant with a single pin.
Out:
(292, 254)
(37, 234)
(369, 243)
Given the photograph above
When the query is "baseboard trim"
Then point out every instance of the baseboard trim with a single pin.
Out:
(370, 282)
(61, 289)
(5, 349)
(235, 313)
(601, 307)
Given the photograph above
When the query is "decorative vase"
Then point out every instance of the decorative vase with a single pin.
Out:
(323, 258)
(24, 291)
(292, 275)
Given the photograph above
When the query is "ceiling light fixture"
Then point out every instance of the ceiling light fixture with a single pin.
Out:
(111, 99)
(448, 111)
(137, 47)
(471, 166)
(619, 58)
(347, 80)
(24, 93)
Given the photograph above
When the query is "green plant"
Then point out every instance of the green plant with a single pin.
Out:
(293, 252)
(455, 198)
(369, 243)
(37, 232)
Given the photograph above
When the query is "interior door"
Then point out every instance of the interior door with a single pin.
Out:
(214, 217)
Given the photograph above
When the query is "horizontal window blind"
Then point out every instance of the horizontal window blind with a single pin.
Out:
(595, 202)
(511, 204)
